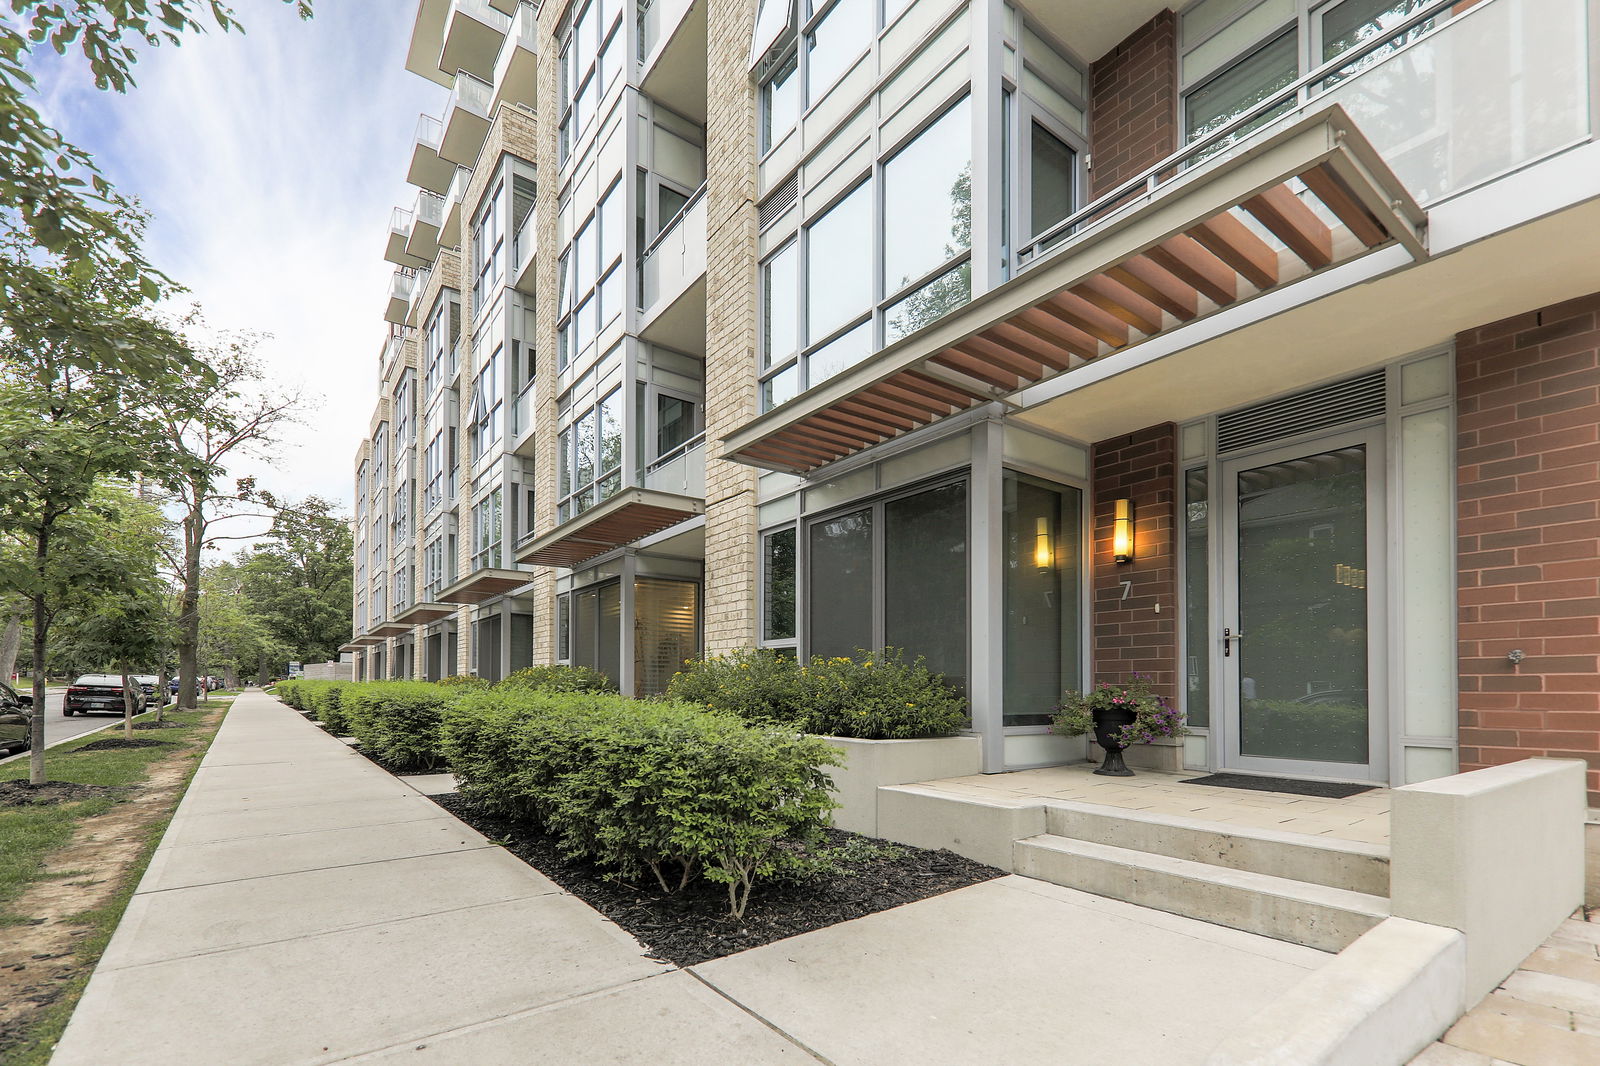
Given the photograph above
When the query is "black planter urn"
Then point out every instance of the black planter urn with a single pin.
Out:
(1107, 728)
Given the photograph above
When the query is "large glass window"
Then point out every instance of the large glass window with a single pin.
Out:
(587, 298)
(1052, 178)
(839, 264)
(486, 531)
(927, 200)
(589, 459)
(838, 38)
(925, 578)
(780, 102)
(487, 401)
(1241, 86)
(839, 608)
(777, 585)
(591, 64)
(893, 574)
(1043, 532)
(488, 251)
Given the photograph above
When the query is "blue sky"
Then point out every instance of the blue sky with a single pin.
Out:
(270, 162)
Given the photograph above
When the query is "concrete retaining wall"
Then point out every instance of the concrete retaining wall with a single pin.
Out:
(1380, 1002)
(1496, 853)
(873, 763)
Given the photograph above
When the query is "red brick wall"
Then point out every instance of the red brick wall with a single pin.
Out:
(1129, 635)
(1529, 537)
(1133, 104)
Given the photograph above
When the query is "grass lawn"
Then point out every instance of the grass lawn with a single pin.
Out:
(29, 835)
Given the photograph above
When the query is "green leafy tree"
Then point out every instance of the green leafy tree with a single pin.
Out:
(233, 637)
(299, 581)
(234, 414)
(70, 420)
(52, 197)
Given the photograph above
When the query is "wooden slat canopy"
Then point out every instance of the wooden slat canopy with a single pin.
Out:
(483, 585)
(1304, 199)
(631, 515)
(420, 614)
(366, 640)
(394, 627)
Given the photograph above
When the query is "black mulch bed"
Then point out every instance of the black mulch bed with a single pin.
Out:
(22, 794)
(160, 725)
(118, 743)
(693, 926)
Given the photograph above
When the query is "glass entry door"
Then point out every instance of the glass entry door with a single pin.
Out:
(1299, 656)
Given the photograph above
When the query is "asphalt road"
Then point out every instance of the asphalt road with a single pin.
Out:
(58, 727)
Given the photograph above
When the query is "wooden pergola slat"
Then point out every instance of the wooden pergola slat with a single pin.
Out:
(1293, 223)
(1079, 313)
(1337, 197)
(1232, 242)
(1159, 286)
(1109, 294)
(1186, 260)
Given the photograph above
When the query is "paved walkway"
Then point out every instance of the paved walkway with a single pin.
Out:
(1547, 1013)
(306, 907)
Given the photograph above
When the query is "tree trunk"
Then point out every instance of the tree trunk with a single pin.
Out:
(161, 694)
(11, 643)
(189, 611)
(41, 626)
(127, 703)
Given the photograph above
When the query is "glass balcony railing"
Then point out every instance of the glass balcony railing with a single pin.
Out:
(676, 258)
(429, 210)
(1452, 97)
(681, 471)
(466, 118)
(429, 130)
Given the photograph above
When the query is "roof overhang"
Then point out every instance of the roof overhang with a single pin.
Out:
(366, 640)
(420, 614)
(352, 645)
(392, 628)
(631, 515)
(483, 585)
(1270, 213)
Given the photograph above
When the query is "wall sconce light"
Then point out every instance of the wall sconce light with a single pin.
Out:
(1122, 532)
(1043, 549)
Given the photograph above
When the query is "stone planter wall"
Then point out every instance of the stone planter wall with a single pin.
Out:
(1163, 754)
(870, 764)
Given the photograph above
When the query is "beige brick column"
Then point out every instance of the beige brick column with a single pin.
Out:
(732, 569)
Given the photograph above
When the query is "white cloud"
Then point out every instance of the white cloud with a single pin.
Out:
(270, 161)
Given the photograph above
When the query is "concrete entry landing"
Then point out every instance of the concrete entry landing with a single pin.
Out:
(1363, 817)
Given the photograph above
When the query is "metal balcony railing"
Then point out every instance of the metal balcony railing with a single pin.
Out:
(1404, 89)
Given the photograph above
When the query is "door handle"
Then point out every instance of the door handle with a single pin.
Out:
(1228, 637)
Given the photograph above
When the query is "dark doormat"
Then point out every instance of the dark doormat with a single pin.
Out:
(1334, 790)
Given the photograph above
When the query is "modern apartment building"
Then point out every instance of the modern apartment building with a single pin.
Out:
(1249, 345)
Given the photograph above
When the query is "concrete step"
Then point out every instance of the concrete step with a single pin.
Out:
(1299, 912)
(1346, 864)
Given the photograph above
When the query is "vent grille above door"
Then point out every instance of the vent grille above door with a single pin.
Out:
(1338, 404)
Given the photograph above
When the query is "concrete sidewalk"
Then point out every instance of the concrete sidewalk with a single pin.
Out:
(307, 907)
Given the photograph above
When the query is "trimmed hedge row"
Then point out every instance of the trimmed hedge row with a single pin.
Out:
(872, 696)
(321, 699)
(674, 789)
(669, 788)
(397, 722)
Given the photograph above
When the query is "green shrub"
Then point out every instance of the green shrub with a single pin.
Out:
(559, 679)
(290, 693)
(397, 722)
(324, 699)
(873, 696)
(667, 788)
(754, 683)
(468, 681)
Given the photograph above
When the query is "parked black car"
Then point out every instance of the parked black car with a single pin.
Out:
(154, 694)
(15, 735)
(100, 693)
